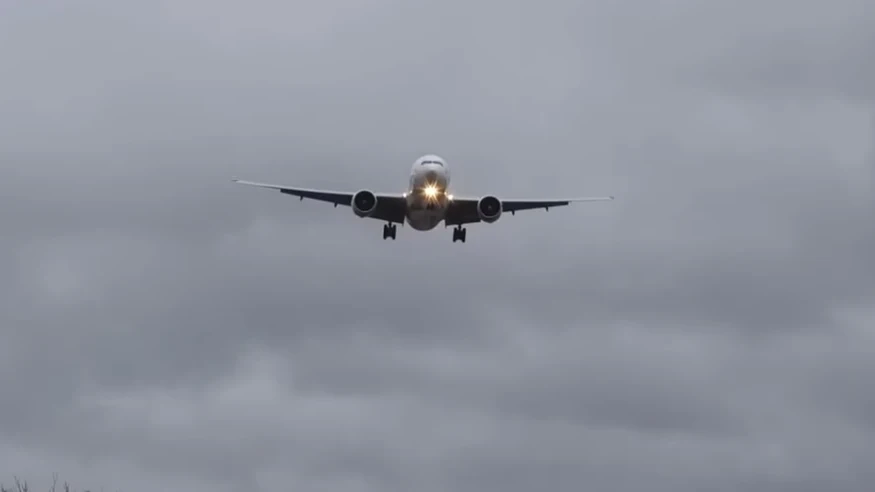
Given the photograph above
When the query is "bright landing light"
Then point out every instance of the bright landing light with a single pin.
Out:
(431, 191)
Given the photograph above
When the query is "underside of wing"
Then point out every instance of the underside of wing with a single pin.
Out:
(489, 208)
(388, 207)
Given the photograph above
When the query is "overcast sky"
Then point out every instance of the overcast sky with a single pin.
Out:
(711, 329)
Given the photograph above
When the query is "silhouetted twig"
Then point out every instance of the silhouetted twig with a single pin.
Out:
(22, 486)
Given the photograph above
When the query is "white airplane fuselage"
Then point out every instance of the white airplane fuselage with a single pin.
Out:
(427, 195)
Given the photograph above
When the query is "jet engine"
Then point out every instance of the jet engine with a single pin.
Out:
(489, 208)
(364, 203)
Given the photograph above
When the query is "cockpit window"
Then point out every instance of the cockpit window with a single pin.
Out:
(439, 163)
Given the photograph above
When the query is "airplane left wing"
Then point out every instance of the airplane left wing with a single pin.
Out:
(390, 207)
(464, 210)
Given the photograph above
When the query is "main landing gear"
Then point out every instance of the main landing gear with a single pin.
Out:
(389, 231)
(459, 234)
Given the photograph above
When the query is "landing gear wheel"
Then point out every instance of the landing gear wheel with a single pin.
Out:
(460, 234)
(389, 231)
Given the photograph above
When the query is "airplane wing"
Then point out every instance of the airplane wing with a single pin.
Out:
(390, 207)
(464, 210)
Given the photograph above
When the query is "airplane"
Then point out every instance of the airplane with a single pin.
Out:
(426, 203)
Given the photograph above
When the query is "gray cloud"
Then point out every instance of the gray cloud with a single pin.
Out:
(164, 328)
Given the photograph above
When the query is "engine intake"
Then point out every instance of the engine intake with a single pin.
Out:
(364, 203)
(489, 208)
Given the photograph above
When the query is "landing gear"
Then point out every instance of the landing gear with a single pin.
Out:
(389, 231)
(459, 234)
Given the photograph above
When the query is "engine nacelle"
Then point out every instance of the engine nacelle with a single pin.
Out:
(364, 203)
(489, 208)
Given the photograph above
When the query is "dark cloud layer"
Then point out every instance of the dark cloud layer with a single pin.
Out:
(710, 329)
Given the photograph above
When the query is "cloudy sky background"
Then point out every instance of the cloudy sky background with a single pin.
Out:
(712, 329)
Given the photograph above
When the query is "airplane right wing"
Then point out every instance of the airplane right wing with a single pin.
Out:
(464, 210)
(389, 207)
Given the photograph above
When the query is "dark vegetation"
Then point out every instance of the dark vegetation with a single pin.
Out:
(22, 486)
